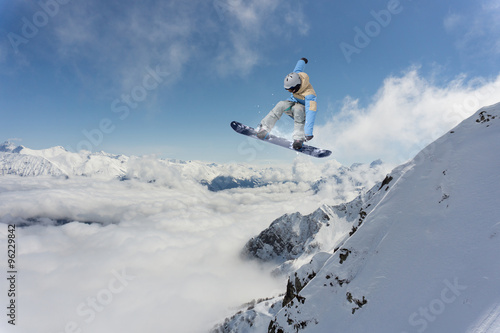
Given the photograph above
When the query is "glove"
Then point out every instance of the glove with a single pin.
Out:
(309, 137)
(305, 60)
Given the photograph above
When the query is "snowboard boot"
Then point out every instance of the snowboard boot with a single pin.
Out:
(262, 134)
(297, 144)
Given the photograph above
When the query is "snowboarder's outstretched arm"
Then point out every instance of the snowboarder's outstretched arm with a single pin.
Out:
(299, 67)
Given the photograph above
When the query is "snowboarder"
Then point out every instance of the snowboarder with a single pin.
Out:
(301, 106)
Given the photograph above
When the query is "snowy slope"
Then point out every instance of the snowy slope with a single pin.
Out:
(424, 258)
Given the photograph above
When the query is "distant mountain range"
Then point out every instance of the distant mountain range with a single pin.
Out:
(58, 162)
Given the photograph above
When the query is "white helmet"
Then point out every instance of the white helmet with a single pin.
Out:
(292, 82)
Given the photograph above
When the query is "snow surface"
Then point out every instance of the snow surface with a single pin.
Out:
(424, 258)
(86, 218)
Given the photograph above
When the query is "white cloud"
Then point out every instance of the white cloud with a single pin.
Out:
(179, 242)
(181, 245)
(251, 24)
(119, 39)
(452, 21)
(407, 113)
(239, 57)
(476, 32)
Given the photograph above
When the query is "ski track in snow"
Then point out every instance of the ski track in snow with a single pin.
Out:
(490, 323)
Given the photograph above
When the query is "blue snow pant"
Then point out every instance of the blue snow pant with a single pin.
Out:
(295, 110)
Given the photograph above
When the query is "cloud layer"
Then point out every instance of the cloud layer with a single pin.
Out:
(165, 255)
(408, 112)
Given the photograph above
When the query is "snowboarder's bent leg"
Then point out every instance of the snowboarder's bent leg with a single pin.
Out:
(299, 117)
(274, 115)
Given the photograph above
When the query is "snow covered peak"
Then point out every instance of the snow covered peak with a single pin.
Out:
(376, 163)
(57, 161)
(49, 152)
(9, 147)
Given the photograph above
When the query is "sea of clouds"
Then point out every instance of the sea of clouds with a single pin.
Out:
(157, 252)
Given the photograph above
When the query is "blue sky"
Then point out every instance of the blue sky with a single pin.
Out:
(168, 77)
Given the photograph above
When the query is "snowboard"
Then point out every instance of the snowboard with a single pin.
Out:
(306, 149)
